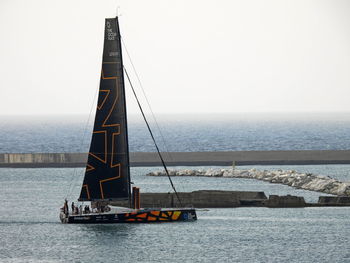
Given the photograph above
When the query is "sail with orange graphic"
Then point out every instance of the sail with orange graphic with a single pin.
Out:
(107, 175)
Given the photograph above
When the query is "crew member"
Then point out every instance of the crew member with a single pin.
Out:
(73, 208)
(65, 207)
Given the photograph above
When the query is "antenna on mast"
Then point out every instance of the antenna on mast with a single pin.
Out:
(117, 11)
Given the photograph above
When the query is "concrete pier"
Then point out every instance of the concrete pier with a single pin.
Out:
(334, 200)
(230, 199)
(183, 158)
(285, 201)
(199, 199)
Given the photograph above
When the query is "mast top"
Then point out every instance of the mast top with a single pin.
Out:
(117, 12)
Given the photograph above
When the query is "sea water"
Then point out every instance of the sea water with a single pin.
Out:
(178, 133)
(30, 230)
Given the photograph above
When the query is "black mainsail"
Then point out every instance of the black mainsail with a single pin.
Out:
(107, 175)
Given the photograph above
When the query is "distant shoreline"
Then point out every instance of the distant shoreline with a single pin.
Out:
(146, 159)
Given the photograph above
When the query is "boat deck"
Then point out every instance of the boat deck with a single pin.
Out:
(147, 215)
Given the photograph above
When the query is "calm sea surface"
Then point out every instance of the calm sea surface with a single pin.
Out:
(184, 133)
(30, 230)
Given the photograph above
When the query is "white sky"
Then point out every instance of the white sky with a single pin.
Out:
(193, 56)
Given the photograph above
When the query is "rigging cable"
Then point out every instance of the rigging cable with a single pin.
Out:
(168, 154)
(74, 178)
(144, 94)
(154, 141)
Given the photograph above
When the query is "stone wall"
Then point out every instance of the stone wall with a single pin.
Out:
(182, 158)
(333, 200)
(285, 201)
(198, 199)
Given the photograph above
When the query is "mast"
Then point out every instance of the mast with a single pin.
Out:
(107, 174)
(125, 111)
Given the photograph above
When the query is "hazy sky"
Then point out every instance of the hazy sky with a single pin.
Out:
(192, 56)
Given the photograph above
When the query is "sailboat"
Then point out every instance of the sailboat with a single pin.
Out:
(107, 173)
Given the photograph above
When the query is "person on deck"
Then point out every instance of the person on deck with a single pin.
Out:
(73, 208)
(65, 207)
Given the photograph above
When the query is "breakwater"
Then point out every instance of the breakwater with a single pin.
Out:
(291, 178)
(199, 199)
(184, 158)
(230, 199)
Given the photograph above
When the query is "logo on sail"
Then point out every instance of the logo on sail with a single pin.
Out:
(110, 34)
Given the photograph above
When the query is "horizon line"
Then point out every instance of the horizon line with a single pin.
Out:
(183, 113)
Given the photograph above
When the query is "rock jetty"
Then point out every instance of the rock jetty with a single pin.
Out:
(306, 181)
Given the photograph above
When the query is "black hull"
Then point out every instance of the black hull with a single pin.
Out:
(139, 216)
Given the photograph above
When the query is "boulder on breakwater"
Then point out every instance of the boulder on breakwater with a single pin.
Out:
(306, 181)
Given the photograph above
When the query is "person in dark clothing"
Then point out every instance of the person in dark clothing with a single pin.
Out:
(65, 207)
(73, 208)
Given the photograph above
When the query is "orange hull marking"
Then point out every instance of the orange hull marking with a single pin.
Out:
(155, 213)
(176, 215)
(144, 215)
(151, 218)
(164, 214)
